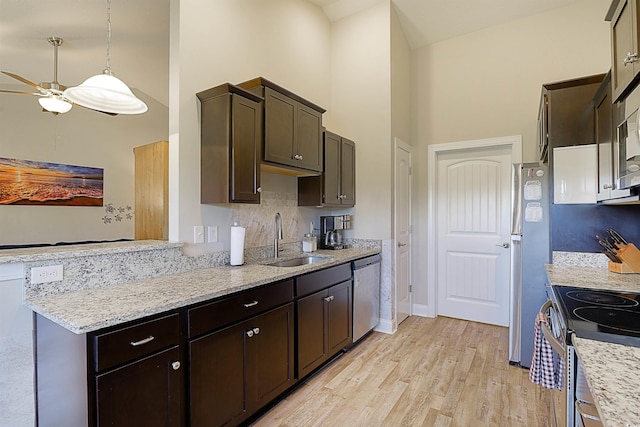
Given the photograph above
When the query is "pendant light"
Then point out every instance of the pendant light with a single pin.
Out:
(105, 92)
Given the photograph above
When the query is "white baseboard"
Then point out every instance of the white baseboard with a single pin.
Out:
(422, 310)
(386, 326)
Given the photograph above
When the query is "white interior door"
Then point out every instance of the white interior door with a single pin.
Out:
(402, 226)
(473, 259)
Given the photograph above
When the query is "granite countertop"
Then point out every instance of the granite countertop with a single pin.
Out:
(612, 374)
(611, 369)
(53, 252)
(88, 310)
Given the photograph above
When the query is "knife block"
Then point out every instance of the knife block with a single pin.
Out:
(630, 257)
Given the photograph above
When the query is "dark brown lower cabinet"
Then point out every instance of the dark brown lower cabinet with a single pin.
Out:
(142, 393)
(324, 326)
(239, 369)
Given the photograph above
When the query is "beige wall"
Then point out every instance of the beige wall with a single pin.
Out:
(487, 84)
(285, 41)
(344, 67)
(80, 137)
(361, 110)
(400, 81)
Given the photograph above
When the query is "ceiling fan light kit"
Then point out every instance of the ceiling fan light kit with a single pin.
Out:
(105, 92)
(55, 104)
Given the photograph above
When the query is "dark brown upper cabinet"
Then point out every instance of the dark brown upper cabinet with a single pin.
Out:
(336, 187)
(566, 115)
(625, 42)
(231, 144)
(292, 129)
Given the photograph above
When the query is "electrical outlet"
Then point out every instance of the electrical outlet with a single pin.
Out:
(198, 234)
(46, 274)
(212, 233)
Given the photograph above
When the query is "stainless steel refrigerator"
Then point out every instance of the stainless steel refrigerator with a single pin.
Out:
(530, 251)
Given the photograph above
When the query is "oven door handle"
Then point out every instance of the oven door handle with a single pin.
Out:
(546, 331)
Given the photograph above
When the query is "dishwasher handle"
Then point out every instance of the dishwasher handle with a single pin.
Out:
(365, 262)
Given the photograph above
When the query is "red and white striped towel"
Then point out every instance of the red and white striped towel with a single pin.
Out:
(544, 370)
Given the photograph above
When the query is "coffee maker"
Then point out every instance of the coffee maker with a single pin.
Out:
(332, 229)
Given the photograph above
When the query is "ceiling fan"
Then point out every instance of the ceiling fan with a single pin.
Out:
(51, 96)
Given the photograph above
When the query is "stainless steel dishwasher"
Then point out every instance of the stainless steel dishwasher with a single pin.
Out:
(366, 295)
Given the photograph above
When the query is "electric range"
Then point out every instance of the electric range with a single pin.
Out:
(601, 315)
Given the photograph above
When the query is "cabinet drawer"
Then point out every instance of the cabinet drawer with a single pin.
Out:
(313, 282)
(229, 310)
(113, 348)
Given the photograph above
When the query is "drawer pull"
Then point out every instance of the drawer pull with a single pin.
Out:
(250, 304)
(144, 341)
(175, 366)
(329, 298)
(256, 331)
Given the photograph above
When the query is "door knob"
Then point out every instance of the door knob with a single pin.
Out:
(401, 244)
(504, 245)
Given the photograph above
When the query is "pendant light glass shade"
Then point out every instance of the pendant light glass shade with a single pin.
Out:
(105, 92)
(55, 104)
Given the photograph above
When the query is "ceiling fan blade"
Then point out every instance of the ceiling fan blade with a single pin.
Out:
(22, 93)
(25, 81)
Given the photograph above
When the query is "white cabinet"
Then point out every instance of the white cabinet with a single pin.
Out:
(575, 174)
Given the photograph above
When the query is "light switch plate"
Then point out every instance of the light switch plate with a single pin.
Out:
(198, 234)
(212, 233)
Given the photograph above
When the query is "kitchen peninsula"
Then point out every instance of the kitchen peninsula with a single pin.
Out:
(115, 291)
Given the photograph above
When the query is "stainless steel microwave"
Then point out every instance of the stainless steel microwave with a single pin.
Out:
(627, 146)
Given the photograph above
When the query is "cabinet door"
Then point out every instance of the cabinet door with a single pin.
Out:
(246, 142)
(217, 378)
(604, 141)
(624, 45)
(348, 172)
(270, 356)
(543, 126)
(279, 116)
(331, 176)
(143, 393)
(152, 191)
(575, 174)
(339, 309)
(308, 139)
(312, 345)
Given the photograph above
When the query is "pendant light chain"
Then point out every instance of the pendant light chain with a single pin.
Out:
(108, 70)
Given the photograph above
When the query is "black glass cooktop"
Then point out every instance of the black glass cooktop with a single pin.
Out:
(603, 315)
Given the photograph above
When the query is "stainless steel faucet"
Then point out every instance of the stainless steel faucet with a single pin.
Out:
(278, 234)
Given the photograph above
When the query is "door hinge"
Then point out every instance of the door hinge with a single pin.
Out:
(410, 288)
(410, 229)
(410, 170)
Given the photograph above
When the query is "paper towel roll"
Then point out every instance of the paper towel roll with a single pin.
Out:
(237, 245)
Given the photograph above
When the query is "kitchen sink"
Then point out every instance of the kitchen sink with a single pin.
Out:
(295, 262)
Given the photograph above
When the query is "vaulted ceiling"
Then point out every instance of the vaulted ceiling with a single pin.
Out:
(140, 34)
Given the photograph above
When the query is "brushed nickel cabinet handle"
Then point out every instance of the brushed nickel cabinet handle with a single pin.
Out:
(175, 366)
(250, 304)
(143, 341)
(630, 58)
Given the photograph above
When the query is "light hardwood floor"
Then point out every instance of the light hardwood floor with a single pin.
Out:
(432, 372)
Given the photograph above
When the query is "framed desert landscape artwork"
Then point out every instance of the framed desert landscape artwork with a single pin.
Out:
(27, 182)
